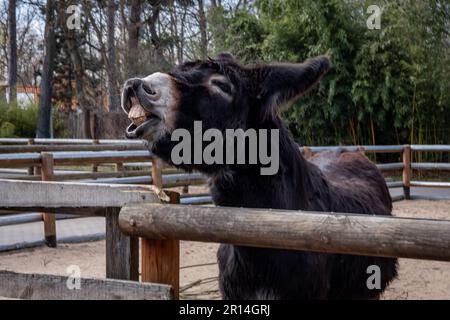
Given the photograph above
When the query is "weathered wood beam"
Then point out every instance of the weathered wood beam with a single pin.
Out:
(312, 231)
(48, 218)
(60, 148)
(34, 194)
(161, 258)
(407, 172)
(50, 287)
(122, 251)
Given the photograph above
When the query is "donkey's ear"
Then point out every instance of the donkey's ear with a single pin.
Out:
(282, 83)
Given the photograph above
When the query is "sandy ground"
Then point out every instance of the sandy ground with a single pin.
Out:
(417, 279)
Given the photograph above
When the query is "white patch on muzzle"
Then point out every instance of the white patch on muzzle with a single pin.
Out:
(163, 84)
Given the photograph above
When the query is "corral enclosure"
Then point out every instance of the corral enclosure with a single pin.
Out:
(418, 279)
(60, 160)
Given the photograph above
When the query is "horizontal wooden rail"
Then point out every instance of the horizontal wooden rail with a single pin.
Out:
(430, 148)
(19, 160)
(430, 184)
(430, 166)
(374, 149)
(168, 181)
(62, 148)
(34, 194)
(51, 287)
(74, 158)
(15, 218)
(196, 200)
(311, 231)
(394, 184)
(69, 141)
(390, 166)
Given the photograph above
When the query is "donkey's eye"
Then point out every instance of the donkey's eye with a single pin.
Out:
(225, 87)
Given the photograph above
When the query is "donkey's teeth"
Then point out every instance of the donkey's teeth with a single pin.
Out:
(137, 114)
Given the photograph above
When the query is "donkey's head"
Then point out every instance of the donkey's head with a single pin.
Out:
(220, 93)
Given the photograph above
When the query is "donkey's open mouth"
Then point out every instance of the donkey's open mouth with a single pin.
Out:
(138, 102)
(141, 119)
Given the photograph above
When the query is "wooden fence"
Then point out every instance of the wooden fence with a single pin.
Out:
(41, 156)
(407, 166)
(122, 252)
(162, 226)
(153, 215)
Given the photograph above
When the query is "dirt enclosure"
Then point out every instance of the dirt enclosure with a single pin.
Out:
(418, 279)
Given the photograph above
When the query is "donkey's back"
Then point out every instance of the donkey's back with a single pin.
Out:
(356, 186)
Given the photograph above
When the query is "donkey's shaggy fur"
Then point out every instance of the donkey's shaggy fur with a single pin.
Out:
(250, 97)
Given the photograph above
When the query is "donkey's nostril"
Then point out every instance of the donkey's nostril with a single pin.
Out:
(132, 84)
(148, 89)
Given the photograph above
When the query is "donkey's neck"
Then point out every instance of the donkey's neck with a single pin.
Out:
(292, 187)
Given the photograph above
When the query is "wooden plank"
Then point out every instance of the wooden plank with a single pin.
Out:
(371, 149)
(122, 259)
(168, 181)
(51, 287)
(48, 218)
(83, 211)
(19, 160)
(92, 157)
(156, 173)
(66, 148)
(312, 231)
(47, 141)
(30, 144)
(390, 166)
(183, 179)
(33, 194)
(161, 258)
(430, 184)
(430, 148)
(430, 166)
(79, 175)
(407, 173)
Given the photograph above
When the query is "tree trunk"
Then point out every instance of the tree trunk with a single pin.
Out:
(113, 94)
(134, 27)
(81, 80)
(45, 107)
(12, 52)
(203, 31)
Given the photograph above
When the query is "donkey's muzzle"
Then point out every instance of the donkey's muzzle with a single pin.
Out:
(143, 91)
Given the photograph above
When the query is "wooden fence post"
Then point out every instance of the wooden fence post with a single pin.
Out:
(362, 150)
(95, 166)
(161, 258)
(157, 173)
(122, 252)
(48, 218)
(407, 172)
(30, 169)
(307, 153)
(119, 167)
